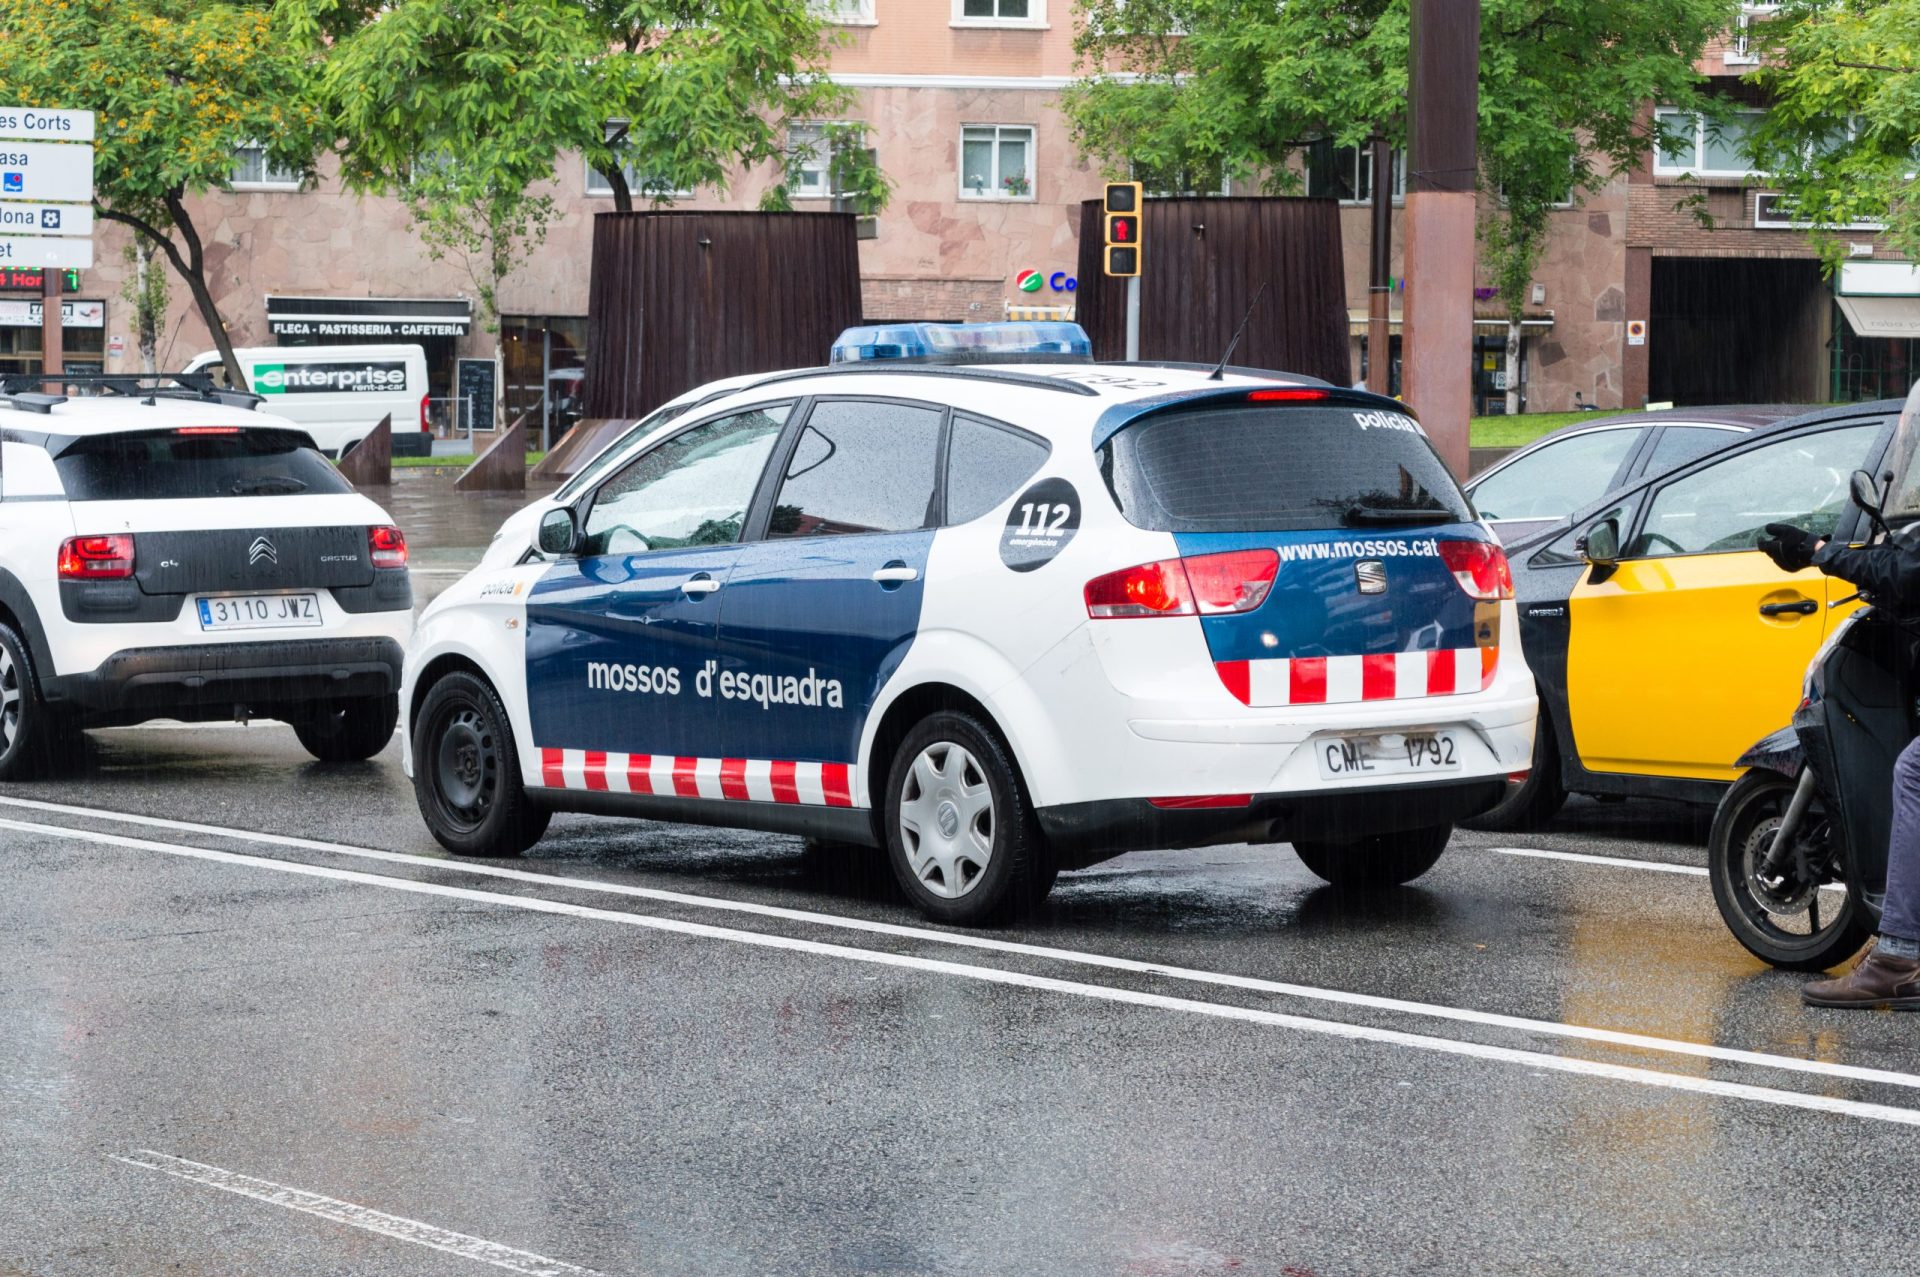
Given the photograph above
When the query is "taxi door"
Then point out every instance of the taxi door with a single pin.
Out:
(618, 633)
(1694, 646)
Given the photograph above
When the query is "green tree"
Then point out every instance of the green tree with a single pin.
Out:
(146, 290)
(1238, 87)
(176, 86)
(1841, 138)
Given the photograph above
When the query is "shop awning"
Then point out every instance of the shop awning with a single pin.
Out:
(359, 318)
(1882, 316)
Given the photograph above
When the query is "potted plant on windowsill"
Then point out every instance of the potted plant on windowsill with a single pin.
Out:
(1016, 186)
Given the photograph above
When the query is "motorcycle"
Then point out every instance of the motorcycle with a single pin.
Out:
(1798, 851)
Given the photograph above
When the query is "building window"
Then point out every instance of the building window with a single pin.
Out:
(811, 152)
(844, 13)
(999, 13)
(1692, 144)
(996, 162)
(639, 184)
(1345, 173)
(253, 171)
(1741, 49)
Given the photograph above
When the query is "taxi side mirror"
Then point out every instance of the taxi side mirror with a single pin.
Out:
(1601, 547)
(1865, 493)
(559, 534)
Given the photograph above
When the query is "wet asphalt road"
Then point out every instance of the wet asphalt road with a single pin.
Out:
(651, 1049)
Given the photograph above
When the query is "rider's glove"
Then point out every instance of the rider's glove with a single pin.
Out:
(1790, 547)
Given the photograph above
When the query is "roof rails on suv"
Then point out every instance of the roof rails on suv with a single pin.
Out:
(21, 391)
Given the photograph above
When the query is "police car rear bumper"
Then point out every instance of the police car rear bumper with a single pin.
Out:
(1083, 834)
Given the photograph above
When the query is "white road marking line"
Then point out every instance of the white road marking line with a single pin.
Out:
(1534, 1060)
(373, 1221)
(1254, 984)
(1617, 862)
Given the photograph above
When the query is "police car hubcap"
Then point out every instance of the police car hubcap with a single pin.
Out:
(463, 763)
(946, 820)
(9, 700)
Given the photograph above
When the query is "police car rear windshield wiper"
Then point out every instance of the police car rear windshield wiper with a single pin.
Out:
(279, 485)
(1364, 514)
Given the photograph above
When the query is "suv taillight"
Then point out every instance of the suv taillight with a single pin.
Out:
(107, 558)
(1199, 585)
(1480, 567)
(387, 547)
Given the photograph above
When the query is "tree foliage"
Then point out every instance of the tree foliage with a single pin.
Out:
(176, 86)
(1841, 139)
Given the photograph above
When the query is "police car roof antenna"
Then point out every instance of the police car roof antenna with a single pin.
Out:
(1219, 369)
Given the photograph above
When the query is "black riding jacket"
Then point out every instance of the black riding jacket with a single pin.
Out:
(1890, 571)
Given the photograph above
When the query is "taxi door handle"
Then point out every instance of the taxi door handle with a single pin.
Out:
(1798, 607)
(896, 574)
(699, 585)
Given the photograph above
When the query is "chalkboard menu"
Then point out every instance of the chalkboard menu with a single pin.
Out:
(477, 384)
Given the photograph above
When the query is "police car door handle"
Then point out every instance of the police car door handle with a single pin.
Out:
(896, 573)
(1798, 607)
(699, 584)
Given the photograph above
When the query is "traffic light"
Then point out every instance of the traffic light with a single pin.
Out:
(1122, 221)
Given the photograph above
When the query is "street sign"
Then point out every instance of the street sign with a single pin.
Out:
(45, 219)
(46, 250)
(42, 125)
(45, 171)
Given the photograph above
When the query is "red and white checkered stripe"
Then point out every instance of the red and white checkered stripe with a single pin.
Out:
(756, 780)
(1336, 680)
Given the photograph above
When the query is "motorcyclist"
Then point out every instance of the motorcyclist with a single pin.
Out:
(1888, 975)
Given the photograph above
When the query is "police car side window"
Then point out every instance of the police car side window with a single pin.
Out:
(692, 489)
(986, 464)
(860, 466)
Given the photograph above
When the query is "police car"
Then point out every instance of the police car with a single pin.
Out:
(168, 551)
(970, 597)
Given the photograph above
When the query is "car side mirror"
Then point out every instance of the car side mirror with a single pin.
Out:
(1865, 492)
(1601, 545)
(559, 534)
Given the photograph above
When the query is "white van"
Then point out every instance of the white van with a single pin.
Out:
(337, 394)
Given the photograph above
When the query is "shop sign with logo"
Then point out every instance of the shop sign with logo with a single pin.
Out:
(328, 379)
(73, 314)
(1030, 281)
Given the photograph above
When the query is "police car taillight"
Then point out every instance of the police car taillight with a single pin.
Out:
(104, 558)
(1287, 394)
(387, 547)
(1203, 584)
(1480, 568)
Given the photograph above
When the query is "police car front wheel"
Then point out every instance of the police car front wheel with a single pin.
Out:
(961, 835)
(1380, 860)
(466, 772)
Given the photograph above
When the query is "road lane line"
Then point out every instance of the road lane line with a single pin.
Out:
(1253, 984)
(1611, 862)
(1017, 979)
(362, 1217)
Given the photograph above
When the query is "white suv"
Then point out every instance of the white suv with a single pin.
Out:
(174, 553)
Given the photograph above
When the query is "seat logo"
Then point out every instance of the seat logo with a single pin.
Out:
(262, 551)
(1371, 576)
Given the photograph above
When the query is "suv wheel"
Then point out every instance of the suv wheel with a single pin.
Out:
(961, 836)
(466, 772)
(348, 731)
(33, 739)
(1381, 860)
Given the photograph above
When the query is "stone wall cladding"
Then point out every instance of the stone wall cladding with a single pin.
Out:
(1654, 222)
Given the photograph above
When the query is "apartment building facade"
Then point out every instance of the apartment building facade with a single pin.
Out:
(960, 101)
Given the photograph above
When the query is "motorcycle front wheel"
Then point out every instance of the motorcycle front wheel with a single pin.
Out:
(1806, 919)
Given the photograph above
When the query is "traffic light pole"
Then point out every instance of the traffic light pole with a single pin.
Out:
(1133, 319)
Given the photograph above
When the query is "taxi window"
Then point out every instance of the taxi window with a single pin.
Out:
(860, 466)
(692, 489)
(1724, 507)
(986, 464)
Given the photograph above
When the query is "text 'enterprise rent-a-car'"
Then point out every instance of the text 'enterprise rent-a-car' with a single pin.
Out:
(1000, 620)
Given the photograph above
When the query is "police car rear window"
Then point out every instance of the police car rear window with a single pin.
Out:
(1277, 468)
(195, 462)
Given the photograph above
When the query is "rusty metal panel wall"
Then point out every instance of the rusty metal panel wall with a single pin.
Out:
(1203, 260)
(677, 299)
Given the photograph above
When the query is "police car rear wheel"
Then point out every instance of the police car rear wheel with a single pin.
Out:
(961, 836)
(466, 772)
(1382, 860)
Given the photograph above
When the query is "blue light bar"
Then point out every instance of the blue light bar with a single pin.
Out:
(964, 343)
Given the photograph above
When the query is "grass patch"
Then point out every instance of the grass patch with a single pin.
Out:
(460, 462)
(1500, 431)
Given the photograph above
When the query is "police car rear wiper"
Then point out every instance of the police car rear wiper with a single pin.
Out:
(1362, 514)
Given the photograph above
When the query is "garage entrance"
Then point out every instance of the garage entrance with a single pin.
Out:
(1737, 330)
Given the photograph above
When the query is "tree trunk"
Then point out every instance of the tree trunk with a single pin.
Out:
(622, 194)
(191, 267)
(148, 330)
(1513, 364)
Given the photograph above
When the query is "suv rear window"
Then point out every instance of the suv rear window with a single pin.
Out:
(162, 465)
(1261, 467)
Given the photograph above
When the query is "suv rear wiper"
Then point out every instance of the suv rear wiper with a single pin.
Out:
(1362, 514)
(280, 485)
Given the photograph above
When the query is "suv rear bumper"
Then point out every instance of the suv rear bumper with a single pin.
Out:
(1085, 834)
(207, 681)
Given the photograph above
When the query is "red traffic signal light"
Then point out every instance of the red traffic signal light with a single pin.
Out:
(1123, 228)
